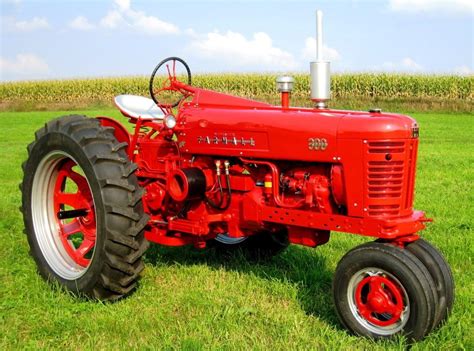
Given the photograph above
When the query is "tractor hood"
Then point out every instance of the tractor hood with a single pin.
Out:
(219, 124)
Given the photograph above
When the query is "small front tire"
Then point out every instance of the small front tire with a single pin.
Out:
(441, 273)
(381, 291)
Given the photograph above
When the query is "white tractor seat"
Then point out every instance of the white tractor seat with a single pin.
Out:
(134, 106)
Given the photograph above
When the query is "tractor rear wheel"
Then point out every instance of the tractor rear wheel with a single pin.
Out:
(82, 209)
(260, 246)
(381, 290)
(441, 273)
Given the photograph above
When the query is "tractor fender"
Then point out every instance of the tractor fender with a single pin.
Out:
(120, 133)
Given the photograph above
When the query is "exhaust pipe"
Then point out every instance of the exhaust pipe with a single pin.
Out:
(320, 69)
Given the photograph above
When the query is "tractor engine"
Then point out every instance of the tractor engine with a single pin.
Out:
(301, 171)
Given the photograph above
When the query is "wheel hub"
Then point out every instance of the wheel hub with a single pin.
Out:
(64, 215)
(383, 304)
(76, 247)
(378, 301)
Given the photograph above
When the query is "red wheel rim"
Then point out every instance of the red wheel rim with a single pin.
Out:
(379, 300)
(77, 233)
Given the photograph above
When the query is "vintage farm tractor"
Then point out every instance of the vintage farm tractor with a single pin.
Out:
(202, 167)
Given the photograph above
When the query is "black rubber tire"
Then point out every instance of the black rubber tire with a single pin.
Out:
(116, 263)
(403, 265)
(441, 273)
(260, 246)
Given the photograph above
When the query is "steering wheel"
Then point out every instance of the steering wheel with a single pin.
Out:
(162, 91)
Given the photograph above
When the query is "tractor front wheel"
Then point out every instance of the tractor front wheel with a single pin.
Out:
(441, 273)
(82, 209)
(381, 290)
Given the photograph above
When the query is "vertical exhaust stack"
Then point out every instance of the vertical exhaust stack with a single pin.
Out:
(320, 70)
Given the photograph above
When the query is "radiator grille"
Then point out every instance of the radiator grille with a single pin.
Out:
(386, 146)
(386, 177)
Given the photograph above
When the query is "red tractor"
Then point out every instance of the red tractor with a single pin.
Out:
(202, 167)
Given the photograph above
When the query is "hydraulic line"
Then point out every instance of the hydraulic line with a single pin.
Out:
(276, 183)
(211, 203)
(229, 190)
(218, 206)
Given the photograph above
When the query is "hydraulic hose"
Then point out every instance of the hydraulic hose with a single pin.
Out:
(276, 184)
(218, 206)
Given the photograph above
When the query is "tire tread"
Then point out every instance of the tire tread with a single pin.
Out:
(124, 247)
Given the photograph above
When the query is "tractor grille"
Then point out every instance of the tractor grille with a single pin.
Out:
(389, 177)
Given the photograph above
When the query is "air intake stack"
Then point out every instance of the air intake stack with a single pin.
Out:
(320, 70)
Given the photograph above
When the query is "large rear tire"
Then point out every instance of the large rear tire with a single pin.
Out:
(381, 290)
(82, 209)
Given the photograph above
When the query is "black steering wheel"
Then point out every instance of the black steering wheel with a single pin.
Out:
(162, 91)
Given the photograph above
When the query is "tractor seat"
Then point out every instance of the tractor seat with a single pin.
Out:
(134, 106)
